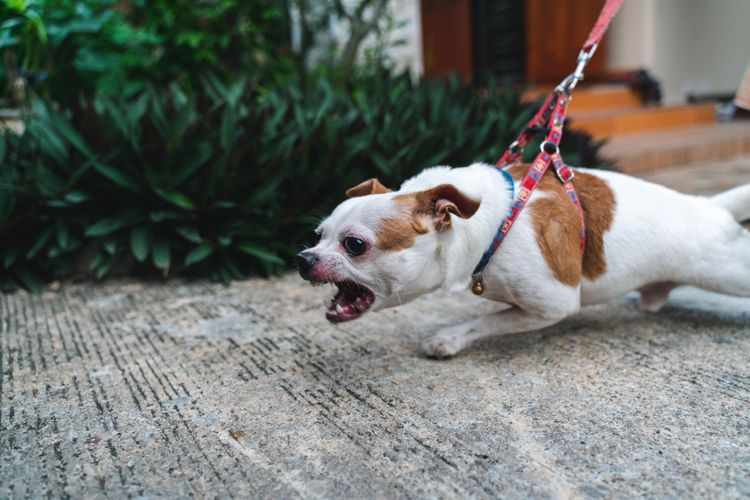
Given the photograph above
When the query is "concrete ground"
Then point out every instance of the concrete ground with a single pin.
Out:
(195, 389)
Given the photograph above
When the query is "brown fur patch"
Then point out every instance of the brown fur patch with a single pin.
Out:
(370, 186)
(598, 202)
(557, 224)
(398, 233)
(558, 236)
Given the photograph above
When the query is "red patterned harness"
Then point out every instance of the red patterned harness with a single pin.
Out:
(550, 116)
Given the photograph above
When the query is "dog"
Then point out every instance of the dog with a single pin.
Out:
(383, 248)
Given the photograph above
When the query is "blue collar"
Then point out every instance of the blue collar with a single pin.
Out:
(476, 275)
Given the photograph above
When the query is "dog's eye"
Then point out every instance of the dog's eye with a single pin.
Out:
(354, 246)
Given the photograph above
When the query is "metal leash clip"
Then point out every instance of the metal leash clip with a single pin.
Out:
(570, 81)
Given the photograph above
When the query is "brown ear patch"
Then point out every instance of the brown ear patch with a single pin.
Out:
(398, 233)
(370, 186)
(447, 196)
(418, 210)
(557, 224)
(442, 202)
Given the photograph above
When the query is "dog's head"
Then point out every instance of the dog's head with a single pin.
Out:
(380, 247)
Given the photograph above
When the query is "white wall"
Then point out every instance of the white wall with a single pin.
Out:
(630, 36)
(409, 34)
(697, 46)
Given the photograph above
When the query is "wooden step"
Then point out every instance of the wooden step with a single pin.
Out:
(590, 98)
(604, 97)
(613, 123)
(655, 150)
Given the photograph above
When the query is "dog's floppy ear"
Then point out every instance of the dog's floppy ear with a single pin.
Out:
(370, 186)
(446, 200)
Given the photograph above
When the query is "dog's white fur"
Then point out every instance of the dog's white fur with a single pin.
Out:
(658, 239)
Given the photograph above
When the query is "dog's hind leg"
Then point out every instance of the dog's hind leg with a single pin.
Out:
(725, 268)
(655, 295)
(450, 340)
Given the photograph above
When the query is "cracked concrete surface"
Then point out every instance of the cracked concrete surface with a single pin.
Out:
(195, 389)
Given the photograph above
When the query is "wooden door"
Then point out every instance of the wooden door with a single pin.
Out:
(447, 38)
(555, 32)
(499, 41)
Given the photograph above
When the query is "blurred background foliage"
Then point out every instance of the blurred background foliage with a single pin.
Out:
(206, 138)
(64, 48)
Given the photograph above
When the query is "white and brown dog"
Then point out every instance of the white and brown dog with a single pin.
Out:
(384, 248)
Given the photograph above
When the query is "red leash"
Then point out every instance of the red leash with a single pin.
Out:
(600, 27)
(550, 116)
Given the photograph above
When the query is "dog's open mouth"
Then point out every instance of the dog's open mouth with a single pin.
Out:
(351, 301)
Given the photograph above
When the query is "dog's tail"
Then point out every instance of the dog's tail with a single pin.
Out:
(737, 201)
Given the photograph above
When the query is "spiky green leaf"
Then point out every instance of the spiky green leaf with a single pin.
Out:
(139, 243)
(198, 254)
(160, 254)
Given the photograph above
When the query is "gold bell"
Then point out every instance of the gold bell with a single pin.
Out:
(477, 288)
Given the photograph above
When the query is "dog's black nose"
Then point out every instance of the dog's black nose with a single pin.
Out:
(305, 261)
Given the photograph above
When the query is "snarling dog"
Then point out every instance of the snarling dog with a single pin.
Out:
(383, 248)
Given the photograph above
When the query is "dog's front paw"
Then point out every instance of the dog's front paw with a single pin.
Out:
(442, 346)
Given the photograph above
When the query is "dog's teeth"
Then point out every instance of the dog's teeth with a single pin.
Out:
(359, 299)
(339, 309)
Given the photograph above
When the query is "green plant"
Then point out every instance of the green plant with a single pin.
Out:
(228, 181)
(152, 180)
(64, 48)
(22, 26)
